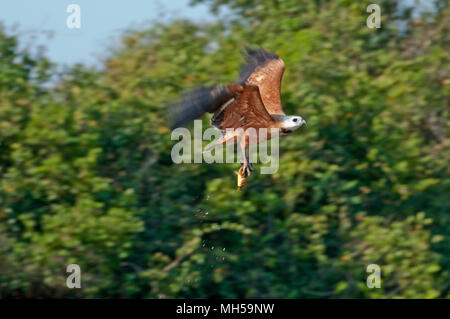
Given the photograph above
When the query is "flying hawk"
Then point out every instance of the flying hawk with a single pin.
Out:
(252, 102)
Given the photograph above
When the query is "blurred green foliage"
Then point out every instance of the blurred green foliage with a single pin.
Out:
(86, 175)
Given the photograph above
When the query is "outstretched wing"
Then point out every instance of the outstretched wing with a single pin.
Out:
(195, 103)
(245, 111)
(265, 70)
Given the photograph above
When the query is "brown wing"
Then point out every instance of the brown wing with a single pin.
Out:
(245, 111)
(195, 103)
(265, 70)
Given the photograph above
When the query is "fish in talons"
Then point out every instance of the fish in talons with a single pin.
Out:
(243, 174)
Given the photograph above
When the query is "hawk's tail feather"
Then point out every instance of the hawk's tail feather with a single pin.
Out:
(195, 103)
(221, 141)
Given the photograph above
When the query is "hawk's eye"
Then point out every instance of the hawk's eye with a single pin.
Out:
(295, 120)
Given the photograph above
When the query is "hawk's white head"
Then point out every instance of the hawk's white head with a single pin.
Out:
(290, 123)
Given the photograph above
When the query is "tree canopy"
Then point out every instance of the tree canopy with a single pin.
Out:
(86, 175)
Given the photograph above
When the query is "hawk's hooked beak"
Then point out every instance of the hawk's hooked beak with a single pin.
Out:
(304, 123)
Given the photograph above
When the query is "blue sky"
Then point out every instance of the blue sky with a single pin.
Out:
(101, 23)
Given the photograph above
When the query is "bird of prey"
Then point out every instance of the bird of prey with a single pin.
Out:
(252, 102)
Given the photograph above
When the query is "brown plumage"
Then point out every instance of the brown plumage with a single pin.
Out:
(247, 110)
(265, 70)
(252, 103)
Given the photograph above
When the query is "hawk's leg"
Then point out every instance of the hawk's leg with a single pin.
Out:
(250, 164)
(247, 166)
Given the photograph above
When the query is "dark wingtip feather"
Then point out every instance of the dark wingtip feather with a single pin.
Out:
(255, 58)
(195, 103)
